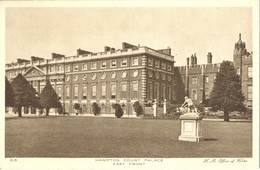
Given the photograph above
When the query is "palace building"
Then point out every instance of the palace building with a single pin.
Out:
(197, 81)
(123, 76)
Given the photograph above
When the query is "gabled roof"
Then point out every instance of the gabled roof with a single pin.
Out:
(34, 71)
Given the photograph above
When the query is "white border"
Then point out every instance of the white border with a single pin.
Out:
(190, 163)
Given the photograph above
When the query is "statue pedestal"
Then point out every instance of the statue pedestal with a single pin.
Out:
(191, 127)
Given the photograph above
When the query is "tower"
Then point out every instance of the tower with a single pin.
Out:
(239, 51)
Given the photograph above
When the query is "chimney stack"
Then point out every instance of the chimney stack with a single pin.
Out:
(188, 61)
(209, 56)
(195, 59)
(81, 52)
(106, 49)
(192, 60)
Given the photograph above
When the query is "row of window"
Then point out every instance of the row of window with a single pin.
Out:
(94, 65)
(194, 79)
(102, 90)
(155, 91)
(194, 94)
(153, 62)
(103, 75)
(249, 72)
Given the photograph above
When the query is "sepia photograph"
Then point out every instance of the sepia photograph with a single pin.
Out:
(130, 85)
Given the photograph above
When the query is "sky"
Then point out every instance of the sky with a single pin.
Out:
(42, 31)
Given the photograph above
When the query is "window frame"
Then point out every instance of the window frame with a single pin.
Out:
(75, 67)
(251, 71)
(196, 94)
(133, 61)
(122, 62)
(84, 68)
(92, 65)
(113, 63)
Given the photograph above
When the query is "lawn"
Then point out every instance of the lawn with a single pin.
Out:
(95, 137)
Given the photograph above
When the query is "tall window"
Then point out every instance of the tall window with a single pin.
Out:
(94, 91)
(249, 93)
(194, 94)
(103, 90)
(250, 72)
(84, 91)
(156, 90)
(207, 93)
(123, 90)
(76, 92)
(194, 80)
(150, 86)
(163, 91)
(135, 89)
(113, 90)
(169, 92)
(134, 61)
(124, 62)
(207, 79)
(67, 92)
(84, 66)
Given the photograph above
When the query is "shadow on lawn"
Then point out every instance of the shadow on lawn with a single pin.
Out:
(210, 139)
(33, 117)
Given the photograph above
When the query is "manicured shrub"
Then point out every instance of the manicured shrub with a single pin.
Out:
(60, 110)
(95, 108)
(118, 110)
(138, 108)
(76, 107)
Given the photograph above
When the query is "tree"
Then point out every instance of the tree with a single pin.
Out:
(9, 97)
(49, 98)
(76, 107)
(95, 108)
(138, 108)
(226, 94)
(118, 110)
(24, 94)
